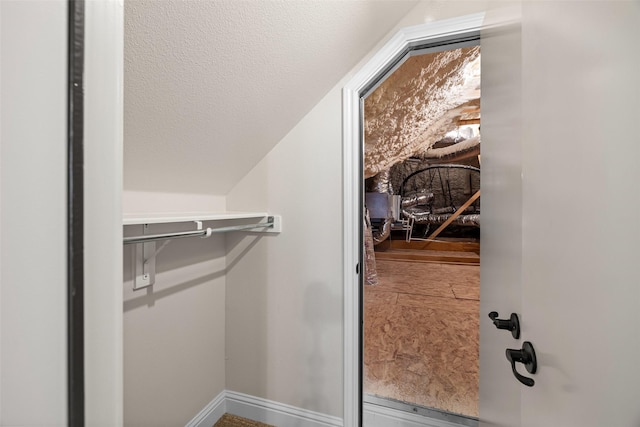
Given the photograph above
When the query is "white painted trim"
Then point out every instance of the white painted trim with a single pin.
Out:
(380, 416)
(351, 207)
(281, 415)
(277, 414)
(211, 413)
(163, 218)
(259, 409)
(352, 155)
(103, 147)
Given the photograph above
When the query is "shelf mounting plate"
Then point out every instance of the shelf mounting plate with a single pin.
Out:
(145, 263)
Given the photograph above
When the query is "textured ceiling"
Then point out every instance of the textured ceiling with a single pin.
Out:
(211, 86)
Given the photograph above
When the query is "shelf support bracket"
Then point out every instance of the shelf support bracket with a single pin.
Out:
(146, 251)
(155, 254)
(145, 262)
(146, 254)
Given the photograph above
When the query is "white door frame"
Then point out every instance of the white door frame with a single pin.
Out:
(390, 56)
(103, 132)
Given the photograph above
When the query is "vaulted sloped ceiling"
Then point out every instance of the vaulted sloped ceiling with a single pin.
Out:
(212, 85)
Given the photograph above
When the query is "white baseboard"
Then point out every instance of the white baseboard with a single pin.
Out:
(277, 414)
(211, 413)
(281, 415)
(263, 410)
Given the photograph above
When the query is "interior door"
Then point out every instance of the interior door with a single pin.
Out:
(581, 201)
(501, 242)
(567, 260)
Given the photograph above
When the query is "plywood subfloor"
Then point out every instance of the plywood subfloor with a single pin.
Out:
(442, 244)
(445, 257)
(421, 335)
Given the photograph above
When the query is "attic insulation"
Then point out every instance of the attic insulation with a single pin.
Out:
(370, 271)
(453, 153)
(420, 198)
(380, 183)
(425, 217)
(418, 104)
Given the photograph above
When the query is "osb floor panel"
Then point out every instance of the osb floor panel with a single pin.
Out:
(447, 257)
(421, 335)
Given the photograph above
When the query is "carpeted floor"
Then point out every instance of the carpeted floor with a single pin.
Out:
(229, 420)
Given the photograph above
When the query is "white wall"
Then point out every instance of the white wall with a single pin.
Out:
(174, 331)
(284, 293)
(33, 224)
(284, 303)
(174, 345)
(138, 203)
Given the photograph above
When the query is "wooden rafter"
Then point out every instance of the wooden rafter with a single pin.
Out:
(455, 215)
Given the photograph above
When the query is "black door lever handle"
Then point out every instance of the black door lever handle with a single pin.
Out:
(513, 324)
(526, 356)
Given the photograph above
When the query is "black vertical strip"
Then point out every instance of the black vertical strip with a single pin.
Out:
(75, 215)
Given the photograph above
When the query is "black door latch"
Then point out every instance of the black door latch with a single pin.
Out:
(526, 356)
(513, 324)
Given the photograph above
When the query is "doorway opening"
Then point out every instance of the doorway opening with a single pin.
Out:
(438, 36)
(421, 211)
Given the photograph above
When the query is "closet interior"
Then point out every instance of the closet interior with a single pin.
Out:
(232, 110)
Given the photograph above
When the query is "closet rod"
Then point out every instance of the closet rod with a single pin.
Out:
(195, 233)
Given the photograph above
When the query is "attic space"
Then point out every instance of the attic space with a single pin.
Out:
(422, 234)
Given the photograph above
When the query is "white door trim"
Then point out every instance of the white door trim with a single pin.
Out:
(103, 133)
(389, 56)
